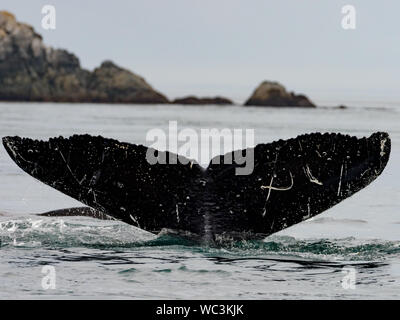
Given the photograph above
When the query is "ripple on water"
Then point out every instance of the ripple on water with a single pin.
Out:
(104, 235)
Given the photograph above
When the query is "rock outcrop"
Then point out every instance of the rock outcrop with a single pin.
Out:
(31, 71)
(199, 101)
(273, 94)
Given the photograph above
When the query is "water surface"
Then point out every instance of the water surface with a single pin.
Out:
(108, 259)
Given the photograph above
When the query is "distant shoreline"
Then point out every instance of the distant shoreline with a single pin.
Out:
(30, 71)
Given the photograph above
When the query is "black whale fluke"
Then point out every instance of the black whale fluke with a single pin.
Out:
(293, 180)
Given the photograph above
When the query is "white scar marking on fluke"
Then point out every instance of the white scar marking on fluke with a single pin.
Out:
(301, 148)
(340, 181)
(12, 150)
(135, 220)
(24, 158)
(270, 184)
(270, 187)
(308, 210)
(272, 225)
(310, 176)
(269, 190)
(177, 213)
(84, 177)
(362, 175)
(269, 193)
(15, 154)
(94, 195)
(383, 142)
(62, 156)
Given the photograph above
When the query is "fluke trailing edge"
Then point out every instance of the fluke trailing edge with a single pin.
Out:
(293, 180)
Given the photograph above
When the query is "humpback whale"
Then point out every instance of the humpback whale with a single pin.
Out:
(293, 180)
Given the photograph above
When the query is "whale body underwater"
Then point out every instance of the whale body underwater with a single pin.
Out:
(292, 181)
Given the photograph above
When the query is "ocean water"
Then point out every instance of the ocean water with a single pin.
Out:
(359, 238)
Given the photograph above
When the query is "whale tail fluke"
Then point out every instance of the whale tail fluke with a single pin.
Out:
(292, 180)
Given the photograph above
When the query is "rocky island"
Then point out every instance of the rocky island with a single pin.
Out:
(31, 71)
(273, 94)
(198, 101)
